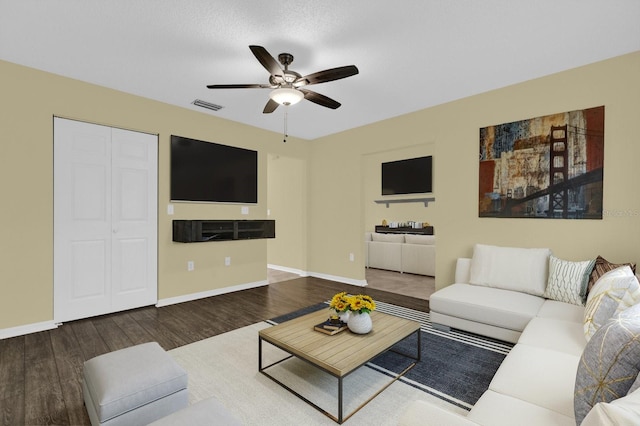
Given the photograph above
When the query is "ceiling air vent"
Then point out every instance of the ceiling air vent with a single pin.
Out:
(207, 105)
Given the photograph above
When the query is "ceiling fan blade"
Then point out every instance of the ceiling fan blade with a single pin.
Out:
(319, 99)
(239, 86)
(270, 106)
(267, 60)
(327, 75)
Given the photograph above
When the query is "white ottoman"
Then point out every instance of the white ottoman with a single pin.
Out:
(133, 386)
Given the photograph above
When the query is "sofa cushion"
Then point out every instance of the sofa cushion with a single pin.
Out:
(562, 311)
(610, 362)
(420, 239)
(543, 377)
(603, 266)
(419, 259)
(385, 255)
(554, 334)
(497, 409)
(493, 306)
(387, 238)
(510, 268)
(623, 411)
(568, 280)
(615, 291)
(463, 268)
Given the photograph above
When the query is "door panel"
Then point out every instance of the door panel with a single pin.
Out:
(82, 219)
(135, 220)
(87, 257)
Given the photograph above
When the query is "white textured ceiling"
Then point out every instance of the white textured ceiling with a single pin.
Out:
(411, 54)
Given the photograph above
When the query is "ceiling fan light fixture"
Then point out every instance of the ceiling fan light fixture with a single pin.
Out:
(286, 96)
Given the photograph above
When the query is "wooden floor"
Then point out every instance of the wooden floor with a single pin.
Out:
(419, 286)
(41, 373)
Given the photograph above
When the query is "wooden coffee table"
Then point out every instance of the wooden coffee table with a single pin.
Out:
(340, 354)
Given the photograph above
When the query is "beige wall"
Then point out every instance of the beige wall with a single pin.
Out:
(375, 213)
(30, 99)
(287, 203)
(339, 169)
(339, 217)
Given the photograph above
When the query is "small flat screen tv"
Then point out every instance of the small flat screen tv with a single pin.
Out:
(411, 176)
(209, 172)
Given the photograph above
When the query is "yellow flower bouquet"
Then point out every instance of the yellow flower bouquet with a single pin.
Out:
(343, 302)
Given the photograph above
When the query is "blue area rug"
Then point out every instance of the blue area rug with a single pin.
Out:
(455, 366)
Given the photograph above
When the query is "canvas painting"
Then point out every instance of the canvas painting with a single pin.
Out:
(545, 167)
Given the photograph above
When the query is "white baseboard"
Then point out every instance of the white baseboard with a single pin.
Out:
(209, 293)
(360, 283)
(287, 269)
(21, 330)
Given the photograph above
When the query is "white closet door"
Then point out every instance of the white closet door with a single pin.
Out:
(104, 241)
(134, 219)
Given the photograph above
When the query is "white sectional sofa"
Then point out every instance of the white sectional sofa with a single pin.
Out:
(558, 372)
(411, 253)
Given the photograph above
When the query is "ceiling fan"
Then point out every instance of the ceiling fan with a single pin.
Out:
(287, 84)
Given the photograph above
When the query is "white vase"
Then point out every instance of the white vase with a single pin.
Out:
(359, 323)
(344, 316)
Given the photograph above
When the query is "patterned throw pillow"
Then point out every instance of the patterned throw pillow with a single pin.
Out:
(568, 280)
(602, 267)
(610, 362)
(614, 292)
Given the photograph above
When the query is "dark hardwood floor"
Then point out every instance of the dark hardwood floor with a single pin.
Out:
(41, 373)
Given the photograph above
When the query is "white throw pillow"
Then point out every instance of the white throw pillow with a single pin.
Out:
(614, 292)
(510, 268)
(622, 411)
(420, 239)
(387, 238)
(568, 280)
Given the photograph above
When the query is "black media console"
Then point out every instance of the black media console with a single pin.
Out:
(196, 231)
(427, 230)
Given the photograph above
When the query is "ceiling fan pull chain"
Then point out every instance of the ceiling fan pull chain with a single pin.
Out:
(286, 119)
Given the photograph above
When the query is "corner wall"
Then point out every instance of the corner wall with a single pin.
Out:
(30, 100)
(338, 218)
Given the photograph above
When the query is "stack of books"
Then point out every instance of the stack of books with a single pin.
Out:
(331, 326)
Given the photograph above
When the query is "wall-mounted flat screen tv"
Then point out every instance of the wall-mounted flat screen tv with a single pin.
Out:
(411, 176)
(209, 172)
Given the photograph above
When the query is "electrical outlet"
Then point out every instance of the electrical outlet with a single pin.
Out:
(352, 257)
(190, 266)
(227, 261)
(170, 209)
